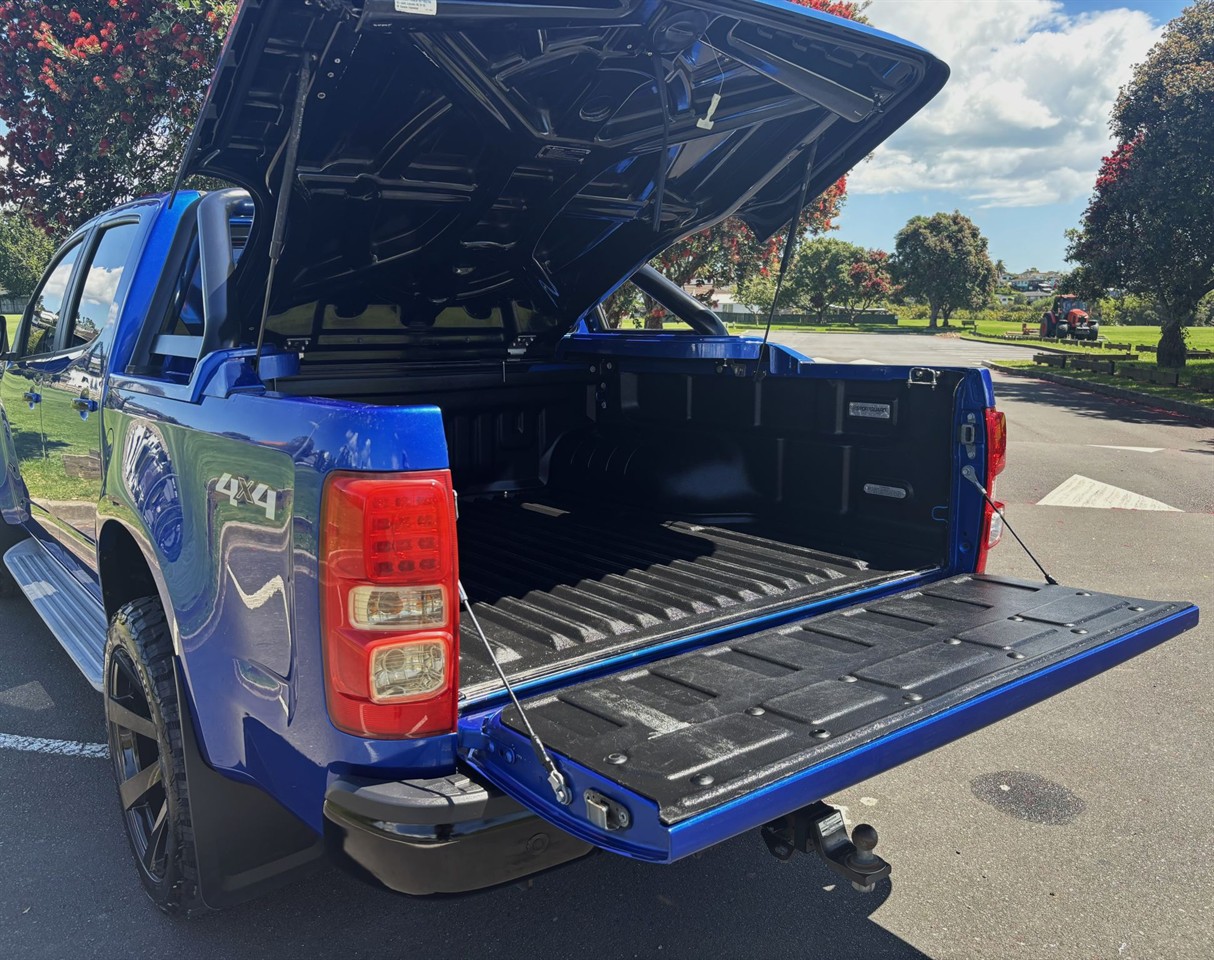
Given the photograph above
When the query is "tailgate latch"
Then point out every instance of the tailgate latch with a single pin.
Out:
(604, 812)
(819, 828)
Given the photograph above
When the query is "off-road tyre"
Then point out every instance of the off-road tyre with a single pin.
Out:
(144, 720)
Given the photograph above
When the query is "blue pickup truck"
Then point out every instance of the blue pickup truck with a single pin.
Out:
(692, 584)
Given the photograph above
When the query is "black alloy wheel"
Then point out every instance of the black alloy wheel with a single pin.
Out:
(143, 720)
(135, 752)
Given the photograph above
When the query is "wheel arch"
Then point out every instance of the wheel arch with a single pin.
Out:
(128, 570)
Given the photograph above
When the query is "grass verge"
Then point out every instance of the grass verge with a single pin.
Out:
(1184, 394)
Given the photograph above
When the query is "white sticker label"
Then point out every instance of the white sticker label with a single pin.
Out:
(423, 8)
(873, 411)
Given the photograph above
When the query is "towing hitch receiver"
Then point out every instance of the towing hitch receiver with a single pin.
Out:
(819, 828)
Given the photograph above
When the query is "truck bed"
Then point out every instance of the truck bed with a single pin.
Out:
(554, 585)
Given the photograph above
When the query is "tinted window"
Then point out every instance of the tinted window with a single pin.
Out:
(99, 298)
(48, 305)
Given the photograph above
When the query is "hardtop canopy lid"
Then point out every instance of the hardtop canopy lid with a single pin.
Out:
(457, 150)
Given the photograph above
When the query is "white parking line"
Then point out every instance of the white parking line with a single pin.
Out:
(1108, 446)
(64, 748)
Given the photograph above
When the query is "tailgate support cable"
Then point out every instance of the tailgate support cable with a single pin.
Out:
(972, 477)
(790, 246)
(560, 788)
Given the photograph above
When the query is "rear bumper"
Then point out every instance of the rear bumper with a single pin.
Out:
(449, 835)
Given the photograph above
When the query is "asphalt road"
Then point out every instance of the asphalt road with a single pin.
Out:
(1099, 846)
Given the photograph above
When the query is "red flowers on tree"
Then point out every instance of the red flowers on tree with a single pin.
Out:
(97, 96)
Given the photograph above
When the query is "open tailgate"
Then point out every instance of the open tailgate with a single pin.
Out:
(702, 746)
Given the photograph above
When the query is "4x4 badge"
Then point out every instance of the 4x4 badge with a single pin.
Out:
(243, 490)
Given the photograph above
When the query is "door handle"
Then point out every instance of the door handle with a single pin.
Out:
(82, 405)
(31, 398)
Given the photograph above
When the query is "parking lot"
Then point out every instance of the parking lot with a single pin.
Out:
(1079, 828)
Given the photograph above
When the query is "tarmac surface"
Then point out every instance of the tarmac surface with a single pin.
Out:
(1078, 828)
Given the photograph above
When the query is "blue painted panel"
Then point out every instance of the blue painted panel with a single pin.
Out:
(241, 579)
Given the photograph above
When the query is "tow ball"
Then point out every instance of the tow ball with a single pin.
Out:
(819, 828)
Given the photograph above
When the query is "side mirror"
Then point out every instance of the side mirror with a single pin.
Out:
(5, 355)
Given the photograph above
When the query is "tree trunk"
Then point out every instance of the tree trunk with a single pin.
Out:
(931, 322)
(945, 313)
(1171, 351)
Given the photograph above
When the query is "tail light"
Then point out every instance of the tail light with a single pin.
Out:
(996, 460)
(390, 603)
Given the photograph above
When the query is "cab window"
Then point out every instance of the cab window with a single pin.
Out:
(47, 308)
(99, 296)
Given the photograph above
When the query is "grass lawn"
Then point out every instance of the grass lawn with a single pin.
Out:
(1200, 338)
(1185, 392)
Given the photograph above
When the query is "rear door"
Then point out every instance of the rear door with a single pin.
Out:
(71, 389)
(699, 747)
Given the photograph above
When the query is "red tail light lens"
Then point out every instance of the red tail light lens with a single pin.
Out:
(996, 460)
(390, 603)
(996, 444)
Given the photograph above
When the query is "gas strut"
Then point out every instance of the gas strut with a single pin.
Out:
(556, 780)
(790, 247)
(289, 162)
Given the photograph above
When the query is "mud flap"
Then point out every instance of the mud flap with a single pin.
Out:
(246, 843)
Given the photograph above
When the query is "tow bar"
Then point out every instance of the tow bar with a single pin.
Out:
(819, 828)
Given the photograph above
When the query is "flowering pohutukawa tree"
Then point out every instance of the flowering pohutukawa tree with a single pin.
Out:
(99, 97)
(1148, 226)
(868, 282)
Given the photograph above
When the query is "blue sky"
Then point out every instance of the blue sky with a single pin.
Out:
(1015, 138)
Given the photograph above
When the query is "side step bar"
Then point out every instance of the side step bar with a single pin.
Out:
(74, 617)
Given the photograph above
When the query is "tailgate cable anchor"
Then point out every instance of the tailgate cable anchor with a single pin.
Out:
(972, 477)
(556, 780)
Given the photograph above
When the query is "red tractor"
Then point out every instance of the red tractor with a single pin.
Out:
(1068, 317)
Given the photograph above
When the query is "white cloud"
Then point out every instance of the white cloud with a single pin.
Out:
(1023, 120)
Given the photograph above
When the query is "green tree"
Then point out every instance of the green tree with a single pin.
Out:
(25, 251)
(1149, 227)
(943, 261)
(819, 276)
(99, 97)
(757, 292)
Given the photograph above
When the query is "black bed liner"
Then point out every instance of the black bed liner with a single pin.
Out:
(553, 587)
(698, 730)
